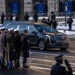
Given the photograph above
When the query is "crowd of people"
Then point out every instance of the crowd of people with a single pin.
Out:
(12, 44)
(51, 22)
(18, 17)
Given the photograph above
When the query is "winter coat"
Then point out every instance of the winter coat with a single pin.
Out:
(10, 46)
(25, 45)
(2, 18)
(26, 17)
(35, 17)
(70, 21)
(54, 24)
(1, 45)
(58, 69)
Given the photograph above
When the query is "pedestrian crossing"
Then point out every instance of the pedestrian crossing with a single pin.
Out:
(45, 61)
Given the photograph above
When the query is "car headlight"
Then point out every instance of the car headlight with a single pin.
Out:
(48, 37)
(65, 37)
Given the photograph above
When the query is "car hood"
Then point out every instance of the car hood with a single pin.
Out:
(55, 34)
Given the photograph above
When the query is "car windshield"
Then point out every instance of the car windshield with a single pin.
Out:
(11, 26)
(48, 29)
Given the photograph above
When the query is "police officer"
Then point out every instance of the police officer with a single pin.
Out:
(53, 16)
(17, 18)
(48, 22)
(43, 20)
(26, 16)
(2, 18)
(10, 47)
(58, 69)
(35, 17)
(70, 21)
(17, 38)
(10, 17)
(54, 24)
(25, 48)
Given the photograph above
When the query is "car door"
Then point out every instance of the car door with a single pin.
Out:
(33, 35)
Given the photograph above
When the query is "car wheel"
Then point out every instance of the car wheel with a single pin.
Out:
(42, 45)
(63, 49)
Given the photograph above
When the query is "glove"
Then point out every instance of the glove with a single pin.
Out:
(67, 63)
(14, 50)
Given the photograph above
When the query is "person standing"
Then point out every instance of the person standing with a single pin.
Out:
(1, 47)
(70, 21)
(17, 18)
(54, 24)
(53, 16)
(17, 38)
(43, 20)
(58, 69)
(26, 17)
(35, 17)
(25, 48)
(10, 48)
(10, 17)
(48, 22)
(2, 18)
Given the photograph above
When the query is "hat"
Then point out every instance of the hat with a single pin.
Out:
(25, 31)
(16, 30)
(58, 57)
(10, 29)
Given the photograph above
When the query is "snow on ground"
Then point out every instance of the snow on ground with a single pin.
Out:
(64, 29)
(63, 22)
(67, 32)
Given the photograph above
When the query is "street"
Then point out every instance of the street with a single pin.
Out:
(40, 62)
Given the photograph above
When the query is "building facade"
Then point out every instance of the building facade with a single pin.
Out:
(43, 7)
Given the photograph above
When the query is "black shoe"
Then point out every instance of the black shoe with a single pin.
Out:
(17, 66)
(26, 66)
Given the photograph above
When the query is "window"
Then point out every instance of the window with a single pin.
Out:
(22, 28)
(42, 28)
(43, 6)
(32, 28)
(11, 26)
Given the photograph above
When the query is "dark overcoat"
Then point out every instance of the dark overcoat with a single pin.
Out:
(25, 45)
(10, 45)
(58, 69)
(1, 45)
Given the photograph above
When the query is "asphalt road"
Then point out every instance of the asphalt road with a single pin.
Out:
(40, 62)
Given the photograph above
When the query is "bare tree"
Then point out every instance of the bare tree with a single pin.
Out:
(53, 4)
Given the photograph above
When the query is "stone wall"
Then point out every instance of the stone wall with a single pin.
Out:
(28, 6)
(2, 6)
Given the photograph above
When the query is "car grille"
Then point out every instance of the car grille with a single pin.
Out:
(60, 38)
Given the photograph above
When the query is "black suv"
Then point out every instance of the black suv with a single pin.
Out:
(42, 35)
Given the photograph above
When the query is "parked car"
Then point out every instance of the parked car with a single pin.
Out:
(42, 35)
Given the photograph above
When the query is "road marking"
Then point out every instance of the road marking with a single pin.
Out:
(72, 51)
(41, 68)
(39, 64)
(46, 60)
(51, 54)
